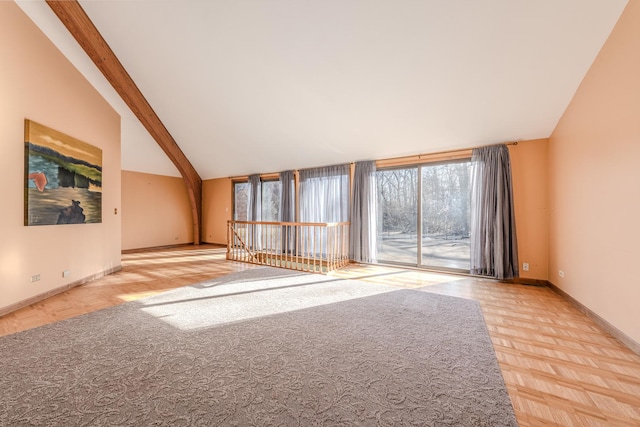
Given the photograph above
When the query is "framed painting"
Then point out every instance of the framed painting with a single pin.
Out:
(63, 178)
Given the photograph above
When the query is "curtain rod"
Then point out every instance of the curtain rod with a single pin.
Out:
(459, 150)
(437, 153)
(471, 148)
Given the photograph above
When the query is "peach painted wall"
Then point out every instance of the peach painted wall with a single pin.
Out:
(37, 82)
(530, 193)
(594, 182)
(155, 211)
(216, 209)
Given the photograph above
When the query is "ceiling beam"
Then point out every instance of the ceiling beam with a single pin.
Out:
(87, 35)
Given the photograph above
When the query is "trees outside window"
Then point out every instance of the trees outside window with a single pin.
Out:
(240, 201)
(271, 200)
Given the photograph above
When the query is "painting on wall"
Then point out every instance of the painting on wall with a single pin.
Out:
(63, 178)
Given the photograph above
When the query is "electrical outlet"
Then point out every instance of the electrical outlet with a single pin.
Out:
(35, 278)
(561, 273)
(66, 273)
(525, 266)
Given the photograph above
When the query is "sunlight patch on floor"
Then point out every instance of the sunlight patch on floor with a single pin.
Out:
(402, 278)
(206, 305)
(134, 296)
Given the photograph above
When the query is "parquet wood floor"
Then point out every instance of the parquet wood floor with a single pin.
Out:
(560, 368)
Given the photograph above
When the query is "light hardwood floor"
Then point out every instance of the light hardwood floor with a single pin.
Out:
(560, 368)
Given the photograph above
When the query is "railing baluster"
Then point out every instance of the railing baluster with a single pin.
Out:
(305, 252)
(343, 244)
(306, 258)
(331, 248)
(315, 248)
(267, 246)
(334, 237)
(299, 248)
(314, 241)
(338, 245)
(286, 244)
(276, 241)
(309, 248)
(282, 244)
(320, 231)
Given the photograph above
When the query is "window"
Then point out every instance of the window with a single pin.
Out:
(240, 201)
(271, 200)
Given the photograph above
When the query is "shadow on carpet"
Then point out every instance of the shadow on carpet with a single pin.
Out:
(258, 348)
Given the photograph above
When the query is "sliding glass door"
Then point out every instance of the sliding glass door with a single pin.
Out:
(424, 215)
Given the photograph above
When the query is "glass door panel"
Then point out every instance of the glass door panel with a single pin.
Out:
(397, 234)
(445, 215)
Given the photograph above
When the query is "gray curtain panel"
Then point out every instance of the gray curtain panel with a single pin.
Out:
(287, 197)
(255, 199)
(494, 248)
(254, 212)
(362, 242)
(288, 211)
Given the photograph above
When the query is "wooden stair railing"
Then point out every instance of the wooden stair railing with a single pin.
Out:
(302, 246)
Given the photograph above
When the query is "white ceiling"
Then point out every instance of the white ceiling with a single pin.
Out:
(256, 86)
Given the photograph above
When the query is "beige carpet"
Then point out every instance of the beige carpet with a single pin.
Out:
(264, 347)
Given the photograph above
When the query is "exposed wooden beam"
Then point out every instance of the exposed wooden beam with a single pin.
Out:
(87, 35)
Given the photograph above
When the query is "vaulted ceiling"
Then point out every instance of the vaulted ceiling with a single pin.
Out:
(258, 86)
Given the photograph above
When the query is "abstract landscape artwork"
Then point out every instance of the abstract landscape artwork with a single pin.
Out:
(63, 178)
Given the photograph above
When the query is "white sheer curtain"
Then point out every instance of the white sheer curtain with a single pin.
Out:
(324, 194)
(324, 197)
(494, 248)
(362, 241)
